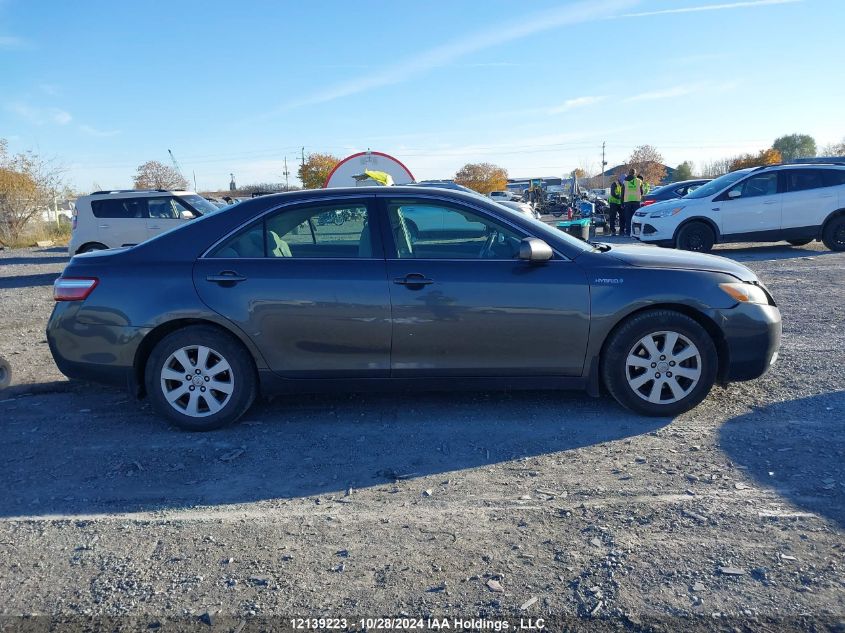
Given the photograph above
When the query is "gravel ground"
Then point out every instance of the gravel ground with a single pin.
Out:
(531, 505)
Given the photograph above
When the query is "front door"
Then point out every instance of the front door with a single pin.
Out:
(308, 285)
(166, 213)
(757, 208)
(464, 305)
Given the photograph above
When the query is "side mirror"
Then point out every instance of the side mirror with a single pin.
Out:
(187, 215)
(733, 194)
(534, 249)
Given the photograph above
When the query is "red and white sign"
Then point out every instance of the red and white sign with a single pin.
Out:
(343, 173)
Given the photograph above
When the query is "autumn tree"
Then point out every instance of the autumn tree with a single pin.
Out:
(794, 146)
(156, 175)
(649, 164)
(764, 157)
(28, 186)
(683, 172)
(316, 169)
(578, 173)
(482, 177)
(834, 149)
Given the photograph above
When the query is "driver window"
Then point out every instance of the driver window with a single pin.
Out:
(166, 208)
(760, 185)
(423, 230)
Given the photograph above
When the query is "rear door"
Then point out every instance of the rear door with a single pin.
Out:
(308, 284)
(465, 305)
(807, 201)
(756, 211)
(120, 221)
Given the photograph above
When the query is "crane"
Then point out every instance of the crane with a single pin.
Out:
(179, 169)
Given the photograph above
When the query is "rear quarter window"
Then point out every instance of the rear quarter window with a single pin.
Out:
(834, 177)
(119, 208)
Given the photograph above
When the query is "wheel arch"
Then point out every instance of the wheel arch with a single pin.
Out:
(709, 325)
(82, 248)
(154, 336)
(717, 235)
(830, 217)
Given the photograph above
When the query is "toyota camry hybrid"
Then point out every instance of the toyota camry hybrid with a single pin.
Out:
(408, 288)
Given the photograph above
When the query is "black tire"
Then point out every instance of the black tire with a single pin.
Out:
(241, 378)
(799, 242)
(5, 373)
(696, 236)
(90, 248)
(833, 235)
(624, 340)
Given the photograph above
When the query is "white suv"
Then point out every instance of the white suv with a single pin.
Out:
(109, 219)
(796, 203)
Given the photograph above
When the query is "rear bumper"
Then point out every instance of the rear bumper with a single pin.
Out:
(94, 352)
(752, 335)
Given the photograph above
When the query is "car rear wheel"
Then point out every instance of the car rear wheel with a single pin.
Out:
(90, 248)
(659, 363)
(833, 235)
(696, 236)
(799, 242)
(200, 378)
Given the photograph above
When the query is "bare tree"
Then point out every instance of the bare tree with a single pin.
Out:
(156, 175)
(834, 149)
(28, 186)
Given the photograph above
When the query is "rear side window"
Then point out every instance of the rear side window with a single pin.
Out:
(119, 208)
(330, 232)
(833, 177)
(803, 179)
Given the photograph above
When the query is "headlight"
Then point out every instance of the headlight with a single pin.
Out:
(665, 213)
(745, 293)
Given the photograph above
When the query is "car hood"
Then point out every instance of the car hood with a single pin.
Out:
(655, 257)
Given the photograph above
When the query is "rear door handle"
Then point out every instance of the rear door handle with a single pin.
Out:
(413, 279)
(226, 277)
(154, 226)
(771, 202)
(102, 226)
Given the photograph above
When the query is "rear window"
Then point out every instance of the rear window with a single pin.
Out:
(833, 177)
(119, 208)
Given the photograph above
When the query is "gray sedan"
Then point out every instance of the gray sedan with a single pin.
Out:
(402, 288)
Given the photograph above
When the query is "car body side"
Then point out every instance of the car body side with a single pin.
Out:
(154, 286)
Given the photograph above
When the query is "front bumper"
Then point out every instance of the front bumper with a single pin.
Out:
(752, 339)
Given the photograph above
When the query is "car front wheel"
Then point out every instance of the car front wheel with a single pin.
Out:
(833, 235)
(200, 378)
(659, 363)
(696, 236)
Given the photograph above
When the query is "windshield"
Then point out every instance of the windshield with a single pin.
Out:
(715, 186)
(199, 204)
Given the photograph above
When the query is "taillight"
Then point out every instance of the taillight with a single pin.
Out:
(73, 288)
(645, 203)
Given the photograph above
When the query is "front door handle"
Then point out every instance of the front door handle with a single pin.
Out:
(226, 277)
(413, 279)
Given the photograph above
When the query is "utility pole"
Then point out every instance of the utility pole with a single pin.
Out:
(302, 171)
(603, 166)
(286, 173)
(194, 173)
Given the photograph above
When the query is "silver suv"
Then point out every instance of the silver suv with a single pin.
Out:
(110, 219)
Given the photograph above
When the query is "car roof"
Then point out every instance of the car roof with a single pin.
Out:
(136, 193)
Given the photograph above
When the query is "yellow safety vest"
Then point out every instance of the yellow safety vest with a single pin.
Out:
(632, 190)
(615, 196)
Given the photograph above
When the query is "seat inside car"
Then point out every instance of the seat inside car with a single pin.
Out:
(276, 246)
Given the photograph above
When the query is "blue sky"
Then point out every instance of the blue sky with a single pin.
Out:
(536, 87)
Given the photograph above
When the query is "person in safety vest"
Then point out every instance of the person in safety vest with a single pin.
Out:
(632, 196)
(615, 200)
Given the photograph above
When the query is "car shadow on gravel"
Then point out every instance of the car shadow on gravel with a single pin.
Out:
(95, 451)
(769, 253)
(28, 281)
(797, 448)
(17, 261)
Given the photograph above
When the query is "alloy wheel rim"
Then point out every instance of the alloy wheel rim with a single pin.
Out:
(663, 367)
(197, 381)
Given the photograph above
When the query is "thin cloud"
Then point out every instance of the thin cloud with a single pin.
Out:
(448, 53)
(710, 7)
(668, 93)
(92, 131)
(578, 102)
(10, 42)
(39, 116)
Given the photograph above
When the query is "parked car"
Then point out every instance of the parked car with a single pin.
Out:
(110, 219)
(262, 298)
(521, 207)
(500, 196)
(798, 203)
(673, 190)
